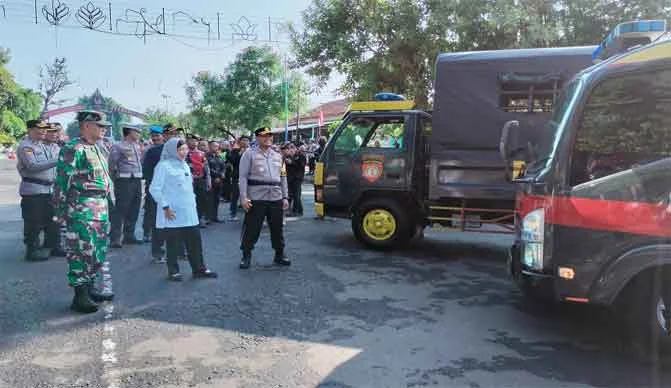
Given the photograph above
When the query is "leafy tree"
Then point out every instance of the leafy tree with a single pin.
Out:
(248, 95)
(54, 79)
(391, 45)
(156, 116)
(17, 104)
(377, 45)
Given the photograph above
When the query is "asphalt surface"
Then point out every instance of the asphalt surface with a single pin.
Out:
(439, 313)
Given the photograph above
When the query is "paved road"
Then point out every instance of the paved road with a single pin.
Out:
(441, 313)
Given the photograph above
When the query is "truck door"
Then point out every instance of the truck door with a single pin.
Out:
(369, 150)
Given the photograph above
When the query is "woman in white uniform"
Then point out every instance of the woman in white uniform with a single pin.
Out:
(172, 189)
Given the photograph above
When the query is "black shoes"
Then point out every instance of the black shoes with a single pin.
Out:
(37, 255)
(281, 259)
(175, 277)
(206, 274)
(82, 302)
(246, 260)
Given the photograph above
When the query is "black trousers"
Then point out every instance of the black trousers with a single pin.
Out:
(202, 197)
(128, 193)
(176, 239)
(149, 218)
(235, 199)
(295, 195)
(37, 213)
(215, 198)
(251, 228)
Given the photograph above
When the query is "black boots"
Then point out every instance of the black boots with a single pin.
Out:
(82, 302)
(36, 254)
(246, 260)
(100, 297)
(281, 259)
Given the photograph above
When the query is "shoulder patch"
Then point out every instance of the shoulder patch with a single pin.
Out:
(283, 170)
(27, 150)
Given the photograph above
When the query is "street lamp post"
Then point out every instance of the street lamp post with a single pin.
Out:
(286, 101)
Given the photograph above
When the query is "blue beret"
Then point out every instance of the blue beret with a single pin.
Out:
(156, 129)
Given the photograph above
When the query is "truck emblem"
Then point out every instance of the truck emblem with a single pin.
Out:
(371, 169)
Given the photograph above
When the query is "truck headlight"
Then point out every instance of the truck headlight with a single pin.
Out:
(533, 236)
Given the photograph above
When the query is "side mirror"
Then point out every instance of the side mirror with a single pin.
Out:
(508, 143)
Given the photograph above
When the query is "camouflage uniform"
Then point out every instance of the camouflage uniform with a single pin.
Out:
(81, 194)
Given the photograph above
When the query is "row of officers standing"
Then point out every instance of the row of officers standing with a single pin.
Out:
(89, 194)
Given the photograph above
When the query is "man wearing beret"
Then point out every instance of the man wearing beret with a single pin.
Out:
(125, 166)
(263, 195)
(82, 196)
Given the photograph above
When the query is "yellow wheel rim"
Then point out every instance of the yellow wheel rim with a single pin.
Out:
(379, 224)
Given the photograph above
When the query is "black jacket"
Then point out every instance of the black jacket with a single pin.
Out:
(296, 167)
(151, 158)
(233, 164)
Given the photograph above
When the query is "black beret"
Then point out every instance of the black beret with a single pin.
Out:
(263, 131)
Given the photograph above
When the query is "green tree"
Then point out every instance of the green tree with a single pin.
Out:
(377, 45)
(248, 95)
(391, 45)
(17, 104)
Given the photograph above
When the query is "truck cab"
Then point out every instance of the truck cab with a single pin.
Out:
(373, 170)
(593, 217)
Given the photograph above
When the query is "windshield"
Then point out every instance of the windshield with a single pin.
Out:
(544, 148)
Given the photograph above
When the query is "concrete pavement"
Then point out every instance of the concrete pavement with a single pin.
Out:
(441, 313)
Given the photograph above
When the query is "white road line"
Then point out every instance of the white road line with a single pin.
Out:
(110, 373)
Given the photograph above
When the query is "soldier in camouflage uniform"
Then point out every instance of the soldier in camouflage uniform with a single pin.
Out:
(82, 195)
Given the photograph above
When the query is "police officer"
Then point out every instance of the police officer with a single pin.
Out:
(125, 167)
(38, 171)
(263, 195)
(82, 192)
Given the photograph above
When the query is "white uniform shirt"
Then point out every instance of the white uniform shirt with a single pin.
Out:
(173, 186)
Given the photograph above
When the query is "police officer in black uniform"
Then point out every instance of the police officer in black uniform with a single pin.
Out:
(263, 195)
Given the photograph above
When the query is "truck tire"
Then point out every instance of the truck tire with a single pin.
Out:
(640, 306)
(380, 224)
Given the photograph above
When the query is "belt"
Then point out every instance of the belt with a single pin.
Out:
(130, 175)
(38, 181)
(254, 182)
(92, 194)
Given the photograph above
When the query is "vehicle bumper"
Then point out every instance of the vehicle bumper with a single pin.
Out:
(533, 283)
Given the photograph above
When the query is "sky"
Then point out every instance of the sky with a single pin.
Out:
(140, 74)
